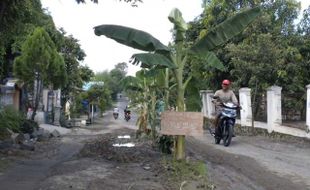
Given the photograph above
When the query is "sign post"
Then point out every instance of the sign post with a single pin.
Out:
(182, 123)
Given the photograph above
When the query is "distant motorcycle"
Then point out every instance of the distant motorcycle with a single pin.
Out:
(115, 115)
(127, 115)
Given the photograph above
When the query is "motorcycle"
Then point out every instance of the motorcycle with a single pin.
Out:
(127, 115)
(225, 129)
(115, 115)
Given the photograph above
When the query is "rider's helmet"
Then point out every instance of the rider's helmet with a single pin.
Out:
(226, 82)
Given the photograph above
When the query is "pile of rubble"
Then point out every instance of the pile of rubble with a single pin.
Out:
(26, 141)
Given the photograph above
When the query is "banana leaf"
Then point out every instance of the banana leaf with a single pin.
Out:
(180, 25)
(225, 31)
(131, 83)
(212, 61)
(132, 37)
(150, 60)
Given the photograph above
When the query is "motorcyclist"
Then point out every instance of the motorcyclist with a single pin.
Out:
(115, 111)
(126, 111)
(223, 95)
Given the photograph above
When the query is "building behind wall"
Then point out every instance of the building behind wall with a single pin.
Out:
(11, 94)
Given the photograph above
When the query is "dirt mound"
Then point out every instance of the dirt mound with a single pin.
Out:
(121, 146)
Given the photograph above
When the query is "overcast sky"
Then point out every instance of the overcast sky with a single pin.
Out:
(103, 53)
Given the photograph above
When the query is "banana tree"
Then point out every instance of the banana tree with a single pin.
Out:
(137, 91)
(160, 56)
(144, 89)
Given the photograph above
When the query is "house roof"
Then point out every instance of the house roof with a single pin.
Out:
(11, 84)
(88, 85)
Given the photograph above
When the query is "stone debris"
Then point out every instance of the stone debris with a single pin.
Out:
(17, 138)
(55, 133)
(27, 145)
(27, 141)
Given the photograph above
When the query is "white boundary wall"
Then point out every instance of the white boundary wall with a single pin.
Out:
(274, 111)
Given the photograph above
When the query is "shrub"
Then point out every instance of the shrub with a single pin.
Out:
(165, 143)
(28, 126)
(11, 119)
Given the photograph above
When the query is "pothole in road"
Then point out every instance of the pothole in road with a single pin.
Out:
(120, 146)
(124, 145)
(124, 137)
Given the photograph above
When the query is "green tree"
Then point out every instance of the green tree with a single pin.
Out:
(18, 19)
(304, 25)
(161, 56)
(77, 74)
(112, 78)
(134, 3)
(268, 52)
(40, 65)
(144, 90)
(100, 95)
(269, 55)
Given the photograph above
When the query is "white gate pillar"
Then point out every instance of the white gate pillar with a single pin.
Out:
(208, 108)
(245, 103)
(210, 105)
(203, 95)
(274, 110)
(308, 107)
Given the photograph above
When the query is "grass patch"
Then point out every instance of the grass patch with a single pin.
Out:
(187, 174)
(4, 134)
(4, 164)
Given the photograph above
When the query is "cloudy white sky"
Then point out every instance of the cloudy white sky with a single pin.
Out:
(103, 53)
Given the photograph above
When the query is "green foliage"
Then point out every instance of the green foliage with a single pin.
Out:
(41, 63)
(4, 164)
(77, 108)
(178, 52)
(10, 119)
(28, 126)
(268, 52)
(180, 25)
(86, 74)
(112, 80)
(133, 3)
(184, 171)
(304, 25)
(18, 20)
(40, 59)
(131, 37)
(223, 32)
(77, 74)
(149, 60)
(165, 143)
(100, 95)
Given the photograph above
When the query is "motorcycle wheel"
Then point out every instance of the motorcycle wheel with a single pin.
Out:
(228, 135)
(127, 118)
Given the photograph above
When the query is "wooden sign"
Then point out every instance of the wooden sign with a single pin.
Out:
(182, 123)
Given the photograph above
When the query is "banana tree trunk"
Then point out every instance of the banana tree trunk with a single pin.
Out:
(153, 115)
(180, 141)
(143, 127)
(179, 153)
(166, 99)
